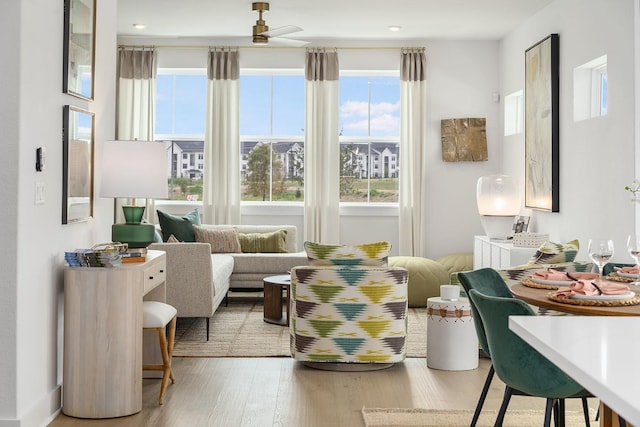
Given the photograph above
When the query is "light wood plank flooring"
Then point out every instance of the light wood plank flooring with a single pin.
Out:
(282, 392)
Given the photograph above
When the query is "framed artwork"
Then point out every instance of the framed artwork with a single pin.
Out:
(542, 163)
(79, 48)
(77, 165)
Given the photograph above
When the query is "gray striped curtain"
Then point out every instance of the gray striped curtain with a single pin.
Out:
(136, 106)
(413, 128)
(221, 187)
(322, 148)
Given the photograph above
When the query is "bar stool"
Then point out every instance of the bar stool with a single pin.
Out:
(156, 316)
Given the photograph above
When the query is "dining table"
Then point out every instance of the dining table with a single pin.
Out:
(594, 351)
(540, 298)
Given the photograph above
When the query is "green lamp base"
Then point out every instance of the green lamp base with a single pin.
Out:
(135, 235)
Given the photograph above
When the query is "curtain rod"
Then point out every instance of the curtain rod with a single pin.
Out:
(263, 47)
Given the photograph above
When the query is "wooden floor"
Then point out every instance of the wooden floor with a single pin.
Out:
(282, 392)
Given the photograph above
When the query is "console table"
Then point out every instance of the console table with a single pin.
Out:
(103, 337)
(498, 254)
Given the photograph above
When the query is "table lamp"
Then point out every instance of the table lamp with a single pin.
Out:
(133, 169)
(498, 199)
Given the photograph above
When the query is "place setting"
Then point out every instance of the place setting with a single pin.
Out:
(591, 288)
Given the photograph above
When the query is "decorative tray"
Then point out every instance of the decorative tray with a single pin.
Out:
(596, 302)
(529, 282)
(615, 277)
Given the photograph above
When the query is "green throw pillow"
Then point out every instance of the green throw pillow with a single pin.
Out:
(555, 253)
(273, 242)
(180, 226)
(369, 254)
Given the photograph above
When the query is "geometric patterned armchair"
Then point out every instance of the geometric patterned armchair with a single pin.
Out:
(348, 310)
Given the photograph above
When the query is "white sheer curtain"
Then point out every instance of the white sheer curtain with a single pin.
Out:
(322, 148)
(136, 105)
(413, 121)
(221, 189)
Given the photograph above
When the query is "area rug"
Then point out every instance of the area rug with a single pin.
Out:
(238, 330)
(405, 417)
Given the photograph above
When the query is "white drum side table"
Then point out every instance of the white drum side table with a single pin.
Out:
(452, 343)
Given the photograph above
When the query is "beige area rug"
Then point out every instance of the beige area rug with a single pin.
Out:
(240, 331)
(405, 417)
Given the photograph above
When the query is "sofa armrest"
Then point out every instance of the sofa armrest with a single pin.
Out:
(189, 278)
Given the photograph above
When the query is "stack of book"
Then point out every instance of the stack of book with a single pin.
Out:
(134, 255)
(93, 258)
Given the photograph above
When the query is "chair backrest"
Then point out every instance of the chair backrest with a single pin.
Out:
(489, 282)
(609, 268)
(518, 364)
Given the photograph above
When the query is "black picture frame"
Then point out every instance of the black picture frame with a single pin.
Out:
(79, 48)
(78, 150)
(542, 125)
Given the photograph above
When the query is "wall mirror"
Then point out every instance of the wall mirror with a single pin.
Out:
(79, 47)
(77, 167)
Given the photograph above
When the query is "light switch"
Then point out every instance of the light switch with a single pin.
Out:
(39, 193)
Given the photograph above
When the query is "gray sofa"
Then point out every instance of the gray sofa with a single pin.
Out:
(198, 281)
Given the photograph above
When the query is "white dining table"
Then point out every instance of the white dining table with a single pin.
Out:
(599, 352)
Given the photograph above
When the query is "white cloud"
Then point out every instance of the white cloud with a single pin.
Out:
(385, 117)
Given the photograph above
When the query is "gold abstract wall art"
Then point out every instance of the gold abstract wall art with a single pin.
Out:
(464, 140)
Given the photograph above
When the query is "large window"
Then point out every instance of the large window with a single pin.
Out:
(369, 138)
(272, 136)
(272, 120)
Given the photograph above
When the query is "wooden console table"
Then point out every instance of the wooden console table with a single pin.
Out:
(103, 337)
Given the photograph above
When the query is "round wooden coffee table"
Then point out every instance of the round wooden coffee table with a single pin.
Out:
(274, 299)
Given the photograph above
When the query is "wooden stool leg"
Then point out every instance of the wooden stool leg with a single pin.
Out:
(172, 339)
(166, 361)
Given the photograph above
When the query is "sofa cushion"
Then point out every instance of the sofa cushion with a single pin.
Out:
(554, 253)
(273, 242)
(180, 227)
(221, 241)
(367, 254)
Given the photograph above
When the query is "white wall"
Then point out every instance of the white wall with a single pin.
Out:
(462, 78)
(34, 238)
(596, 155)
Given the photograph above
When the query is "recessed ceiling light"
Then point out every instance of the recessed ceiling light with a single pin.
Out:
(139, 26)
(395, 27)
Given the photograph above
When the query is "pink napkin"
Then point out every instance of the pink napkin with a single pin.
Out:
(586, 287)
(551, 274)
(629, 270)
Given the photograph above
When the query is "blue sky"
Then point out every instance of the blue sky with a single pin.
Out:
(288, 105)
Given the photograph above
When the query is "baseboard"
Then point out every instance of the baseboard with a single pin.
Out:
(40, 414)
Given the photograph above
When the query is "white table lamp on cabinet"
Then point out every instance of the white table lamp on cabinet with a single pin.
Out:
(133, 169)
(498, 199)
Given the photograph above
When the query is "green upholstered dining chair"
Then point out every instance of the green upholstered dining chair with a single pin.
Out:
(520, 366)
(609, 268)
(489, 282)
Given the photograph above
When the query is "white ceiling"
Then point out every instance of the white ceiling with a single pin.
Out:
(328, 19)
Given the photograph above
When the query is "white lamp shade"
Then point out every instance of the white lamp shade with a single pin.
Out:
(498, 195)
(133, 169)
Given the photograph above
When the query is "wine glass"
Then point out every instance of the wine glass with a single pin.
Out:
(633, 246)
(600, 252)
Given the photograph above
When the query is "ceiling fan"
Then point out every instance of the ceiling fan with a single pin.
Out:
(262, 34)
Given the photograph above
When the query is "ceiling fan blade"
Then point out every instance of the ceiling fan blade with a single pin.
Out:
(285, 42)
(281, 31)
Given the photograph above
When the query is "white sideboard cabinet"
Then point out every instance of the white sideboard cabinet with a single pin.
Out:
(498, 254)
